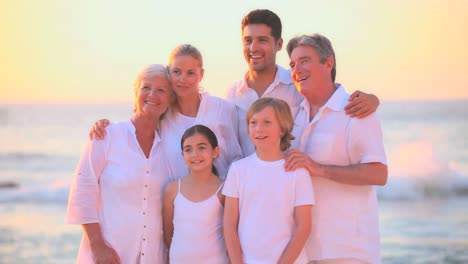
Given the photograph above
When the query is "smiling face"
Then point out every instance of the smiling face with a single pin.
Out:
(153, 96)
(198, 153)
(186, 75)
(260, 47)
(307, 71)
(265, 130)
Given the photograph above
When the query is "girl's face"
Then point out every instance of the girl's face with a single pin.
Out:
(153, 96)
(198, 153)
(186, 75)
(265, 131)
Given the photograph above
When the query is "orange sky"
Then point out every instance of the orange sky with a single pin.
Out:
(90, 51)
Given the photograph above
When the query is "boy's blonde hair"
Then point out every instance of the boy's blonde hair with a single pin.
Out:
(283, 114)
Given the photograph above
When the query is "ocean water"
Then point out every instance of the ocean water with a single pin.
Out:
(423, 208)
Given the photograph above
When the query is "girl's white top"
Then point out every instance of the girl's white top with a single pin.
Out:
(198, 231)
(217, 114)
(267, 197)
(116, 186)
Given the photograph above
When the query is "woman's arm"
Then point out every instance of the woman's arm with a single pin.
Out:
(98, 131)
(361, 104)
(231, 237)
(102, 252)
(168, 212)
(84, 189)
(302, 221)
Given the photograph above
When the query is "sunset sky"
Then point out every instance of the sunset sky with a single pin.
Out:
(90, 50)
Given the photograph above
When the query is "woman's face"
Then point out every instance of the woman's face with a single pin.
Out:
(153, 96)
(186, 75)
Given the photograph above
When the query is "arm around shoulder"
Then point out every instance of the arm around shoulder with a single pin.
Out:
(362, 104)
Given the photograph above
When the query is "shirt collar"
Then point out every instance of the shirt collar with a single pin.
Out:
(335, 103)
(132, 129)
(282, 76)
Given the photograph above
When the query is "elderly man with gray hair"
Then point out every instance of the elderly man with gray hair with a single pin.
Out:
(345, 157)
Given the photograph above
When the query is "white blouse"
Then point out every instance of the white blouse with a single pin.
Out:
(217, 114)
(116, 186)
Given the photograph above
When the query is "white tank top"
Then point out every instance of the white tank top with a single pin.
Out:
(198, 231)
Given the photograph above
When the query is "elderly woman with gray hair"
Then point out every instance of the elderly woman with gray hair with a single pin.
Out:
(118, 183)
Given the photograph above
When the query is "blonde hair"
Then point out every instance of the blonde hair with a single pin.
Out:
(186, 49)
(150, 71)
(283, 114)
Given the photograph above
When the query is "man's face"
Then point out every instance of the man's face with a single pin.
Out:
(260, 47)
(306, 69)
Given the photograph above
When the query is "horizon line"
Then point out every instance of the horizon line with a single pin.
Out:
(63, 102)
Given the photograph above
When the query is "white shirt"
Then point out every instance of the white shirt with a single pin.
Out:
(267, 198)
(243, 97)
(345, 218)
(217, 114)
(116, 186)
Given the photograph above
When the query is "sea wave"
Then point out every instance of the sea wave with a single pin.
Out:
(416, 171)
(56, 192)
(28, 156)
(36, 162)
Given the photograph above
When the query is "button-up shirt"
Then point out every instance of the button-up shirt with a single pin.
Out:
(345, 217)
(243, 97)
(116, 186)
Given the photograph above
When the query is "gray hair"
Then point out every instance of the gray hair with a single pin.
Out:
(319, 43)
(149, 71)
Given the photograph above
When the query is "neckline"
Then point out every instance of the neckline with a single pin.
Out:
(202, 201)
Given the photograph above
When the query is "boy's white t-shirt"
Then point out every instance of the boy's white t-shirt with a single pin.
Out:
(267, 197)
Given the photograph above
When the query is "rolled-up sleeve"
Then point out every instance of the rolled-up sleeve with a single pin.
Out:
(365, 143)
(83, 200)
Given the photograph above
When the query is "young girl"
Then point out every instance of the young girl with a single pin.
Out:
(267, 216)
(193, 205)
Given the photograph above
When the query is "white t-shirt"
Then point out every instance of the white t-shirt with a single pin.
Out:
(345, 218)
(217, 114)
(267, 197)
(243, 97)
(116, 186)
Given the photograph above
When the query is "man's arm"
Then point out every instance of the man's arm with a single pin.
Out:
(361, 104)
(373, 173)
